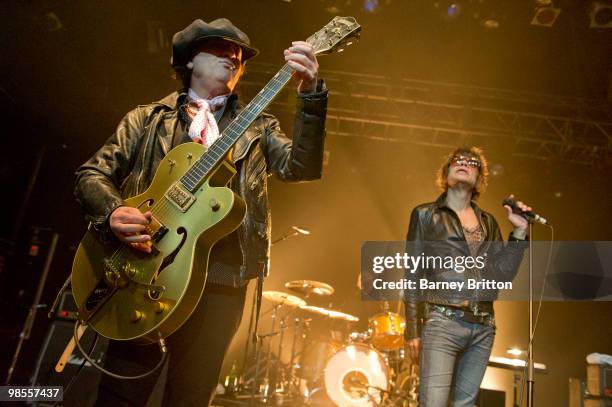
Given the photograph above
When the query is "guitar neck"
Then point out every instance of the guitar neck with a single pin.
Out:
(219, 149)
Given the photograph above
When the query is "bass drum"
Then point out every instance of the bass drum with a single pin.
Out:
(356, 376)
(315, 357)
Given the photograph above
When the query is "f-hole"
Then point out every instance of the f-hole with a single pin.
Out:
(169, 259)
(148, 203)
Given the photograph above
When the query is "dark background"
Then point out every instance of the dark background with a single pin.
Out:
(70, 70)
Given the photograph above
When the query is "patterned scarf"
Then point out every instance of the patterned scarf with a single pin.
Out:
(203, 128)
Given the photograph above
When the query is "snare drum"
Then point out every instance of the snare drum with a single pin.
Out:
(356, 376)
(387, 330)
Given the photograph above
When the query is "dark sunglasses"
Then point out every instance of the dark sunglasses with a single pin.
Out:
(463, 160)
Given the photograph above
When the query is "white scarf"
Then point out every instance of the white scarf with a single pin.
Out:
(203, 128)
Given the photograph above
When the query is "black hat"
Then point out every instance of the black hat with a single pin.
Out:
(184, 42)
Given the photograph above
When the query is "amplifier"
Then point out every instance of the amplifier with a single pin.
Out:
(84, 389)
(599, 380)
(491, 398)
(66, 309)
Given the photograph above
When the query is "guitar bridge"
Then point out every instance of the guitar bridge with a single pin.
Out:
(180, 197)
(156, 230)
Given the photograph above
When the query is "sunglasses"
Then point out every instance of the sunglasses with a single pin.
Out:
(463, 160)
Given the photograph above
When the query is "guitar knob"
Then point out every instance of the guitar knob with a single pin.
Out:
(214, 204)
(159, 307)
(136, 315)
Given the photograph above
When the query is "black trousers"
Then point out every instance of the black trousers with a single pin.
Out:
(196, 352)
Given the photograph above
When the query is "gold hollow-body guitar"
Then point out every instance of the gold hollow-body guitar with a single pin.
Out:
(125, 294)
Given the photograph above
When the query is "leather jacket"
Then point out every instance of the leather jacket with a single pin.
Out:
(435, 230)
(125, 165)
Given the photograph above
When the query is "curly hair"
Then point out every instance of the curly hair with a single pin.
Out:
(483, 172)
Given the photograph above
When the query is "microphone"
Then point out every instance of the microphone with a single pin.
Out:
(528, 215)
(300, 231)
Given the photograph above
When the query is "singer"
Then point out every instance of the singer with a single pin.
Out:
(452, 331)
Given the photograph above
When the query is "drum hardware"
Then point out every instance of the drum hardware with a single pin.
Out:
(265, 391)
(289, 383)
(360, 337)
(281, 383)
(328, 366)
(297, 324)
(407, 385)
(279, 299)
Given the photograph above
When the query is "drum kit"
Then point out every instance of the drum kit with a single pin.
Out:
(328, 363)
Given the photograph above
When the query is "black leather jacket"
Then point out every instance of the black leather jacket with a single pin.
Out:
(125, 165)
(435, 230)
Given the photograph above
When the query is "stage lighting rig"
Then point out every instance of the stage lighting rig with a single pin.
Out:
(545, 13)
(600, 15)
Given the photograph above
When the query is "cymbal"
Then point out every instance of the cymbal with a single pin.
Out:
(330, 313)
(281, 298)
(308, 287)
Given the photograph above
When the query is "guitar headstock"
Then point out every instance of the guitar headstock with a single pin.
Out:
(335, 36)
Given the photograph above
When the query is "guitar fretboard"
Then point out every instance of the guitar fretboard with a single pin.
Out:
(219, 149)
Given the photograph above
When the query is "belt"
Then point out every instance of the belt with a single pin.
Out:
(463, 313)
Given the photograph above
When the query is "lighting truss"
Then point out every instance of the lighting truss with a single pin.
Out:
(446, 115)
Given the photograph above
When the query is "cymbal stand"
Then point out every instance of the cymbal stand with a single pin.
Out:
(280, 386)
(266, 389)
(296, 330)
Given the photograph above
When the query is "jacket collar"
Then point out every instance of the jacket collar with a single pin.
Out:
(441, 203)
(174, 100)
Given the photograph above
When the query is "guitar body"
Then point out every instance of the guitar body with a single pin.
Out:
(112, 284)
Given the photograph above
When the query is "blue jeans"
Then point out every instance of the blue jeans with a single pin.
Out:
(454, 356)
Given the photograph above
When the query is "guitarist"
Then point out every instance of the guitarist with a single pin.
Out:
(209, 60)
